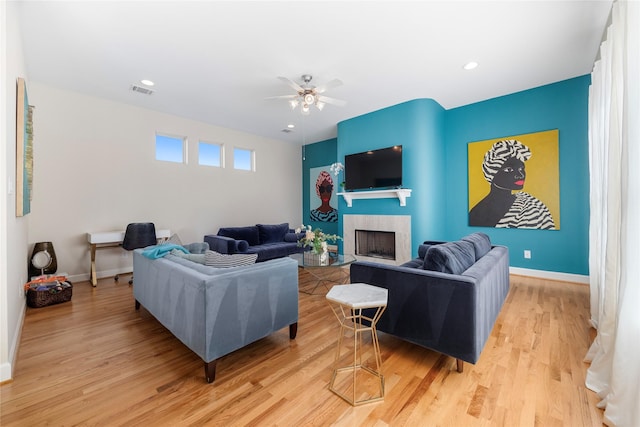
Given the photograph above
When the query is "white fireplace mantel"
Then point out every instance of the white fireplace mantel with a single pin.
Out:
(399, 193)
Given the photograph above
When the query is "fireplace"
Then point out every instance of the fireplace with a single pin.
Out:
(376, 244)
(397, 226)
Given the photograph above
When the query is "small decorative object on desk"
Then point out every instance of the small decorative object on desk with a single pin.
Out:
(48, 290)
(317, 241)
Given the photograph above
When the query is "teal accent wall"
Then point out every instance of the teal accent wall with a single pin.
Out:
(435, 167)
(313, 156)
(562, 106)
(418, 126)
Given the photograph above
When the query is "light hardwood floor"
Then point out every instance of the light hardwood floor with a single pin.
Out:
(97, 361)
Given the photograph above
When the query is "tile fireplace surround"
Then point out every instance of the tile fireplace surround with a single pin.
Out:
(399, 224)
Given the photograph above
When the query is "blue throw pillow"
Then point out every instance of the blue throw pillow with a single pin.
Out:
(450, 257)
(272, 233)
(242, 246)
(249, 233)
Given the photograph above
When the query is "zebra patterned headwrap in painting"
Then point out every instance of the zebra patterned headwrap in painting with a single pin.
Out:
(500, 152)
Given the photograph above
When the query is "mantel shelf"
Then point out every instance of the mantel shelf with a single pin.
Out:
(399, 193)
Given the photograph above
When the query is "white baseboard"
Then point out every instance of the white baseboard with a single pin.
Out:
(6, 369)
(100, 274)
(551, 275)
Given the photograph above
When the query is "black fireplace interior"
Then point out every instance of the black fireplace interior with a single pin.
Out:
(376, 244)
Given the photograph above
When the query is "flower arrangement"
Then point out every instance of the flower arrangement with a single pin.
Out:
(316, 239)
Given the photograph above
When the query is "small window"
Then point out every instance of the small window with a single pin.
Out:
(170, 148)
(243, 159)
(210, 154)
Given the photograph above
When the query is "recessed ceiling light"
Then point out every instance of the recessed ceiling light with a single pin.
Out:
(470, 65)
(147, 82)
(291, 126)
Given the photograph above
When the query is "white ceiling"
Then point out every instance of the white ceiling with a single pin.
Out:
(217, 61)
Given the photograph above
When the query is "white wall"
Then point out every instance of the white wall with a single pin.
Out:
(95, 170)
(13, 230)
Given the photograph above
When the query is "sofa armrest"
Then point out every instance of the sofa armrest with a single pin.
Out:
(226, 245)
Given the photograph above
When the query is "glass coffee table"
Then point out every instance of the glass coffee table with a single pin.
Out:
(329, 273)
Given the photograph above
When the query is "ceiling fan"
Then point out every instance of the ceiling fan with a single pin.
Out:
(307, 94)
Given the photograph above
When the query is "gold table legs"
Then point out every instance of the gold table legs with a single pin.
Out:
(345, 380)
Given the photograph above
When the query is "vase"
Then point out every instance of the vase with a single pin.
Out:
(311, 258)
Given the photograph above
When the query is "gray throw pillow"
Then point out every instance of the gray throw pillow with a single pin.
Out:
(197, 247)
(175, 239)
(450, 257)
(481, 243)
(199, 258)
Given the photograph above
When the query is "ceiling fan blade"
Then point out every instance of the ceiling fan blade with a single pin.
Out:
(329, 85)
(282, 97)
(333, 101)
(291, 83)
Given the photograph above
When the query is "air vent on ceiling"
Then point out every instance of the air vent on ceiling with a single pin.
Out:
(287, 130)
(141, 89)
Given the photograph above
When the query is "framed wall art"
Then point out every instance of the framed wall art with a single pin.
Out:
(322, 195)
(514, 182)
(24, 150)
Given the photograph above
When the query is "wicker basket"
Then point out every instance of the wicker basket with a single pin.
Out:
(55, 293)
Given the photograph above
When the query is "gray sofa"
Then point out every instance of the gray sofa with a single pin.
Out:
(269, 241)
(215, 311)
(447, 299)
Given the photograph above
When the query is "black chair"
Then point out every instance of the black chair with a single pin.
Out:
(138, 235)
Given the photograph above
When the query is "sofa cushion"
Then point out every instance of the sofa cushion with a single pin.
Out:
(249, 233)
(450, 257)
(414, 263)
(216, 259)
(481, 244)
(272, 233)
(293, 237)
(274, 250)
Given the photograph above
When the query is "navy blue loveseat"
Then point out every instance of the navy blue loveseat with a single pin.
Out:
(447, 299)
(269, 241)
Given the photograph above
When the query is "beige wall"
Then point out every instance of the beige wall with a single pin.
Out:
(95, 170)
(13, 230)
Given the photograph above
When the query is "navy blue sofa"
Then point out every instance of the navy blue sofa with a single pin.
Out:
(447, 299)
(269, 241)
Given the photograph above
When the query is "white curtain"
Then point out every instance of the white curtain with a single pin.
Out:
(614, 231)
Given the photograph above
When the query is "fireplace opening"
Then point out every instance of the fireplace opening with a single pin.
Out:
(376, 244)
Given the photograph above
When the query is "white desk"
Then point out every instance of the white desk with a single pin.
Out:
(105, 239)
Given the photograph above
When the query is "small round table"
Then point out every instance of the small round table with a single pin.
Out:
(348, 303)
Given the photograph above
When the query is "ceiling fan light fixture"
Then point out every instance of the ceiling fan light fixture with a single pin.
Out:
(293, 103)
(309, 99)
(320, 105)
(305, 109)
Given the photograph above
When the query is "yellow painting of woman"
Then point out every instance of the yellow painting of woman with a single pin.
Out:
(521, 192)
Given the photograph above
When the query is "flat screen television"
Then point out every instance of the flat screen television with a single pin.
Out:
(374, 169)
